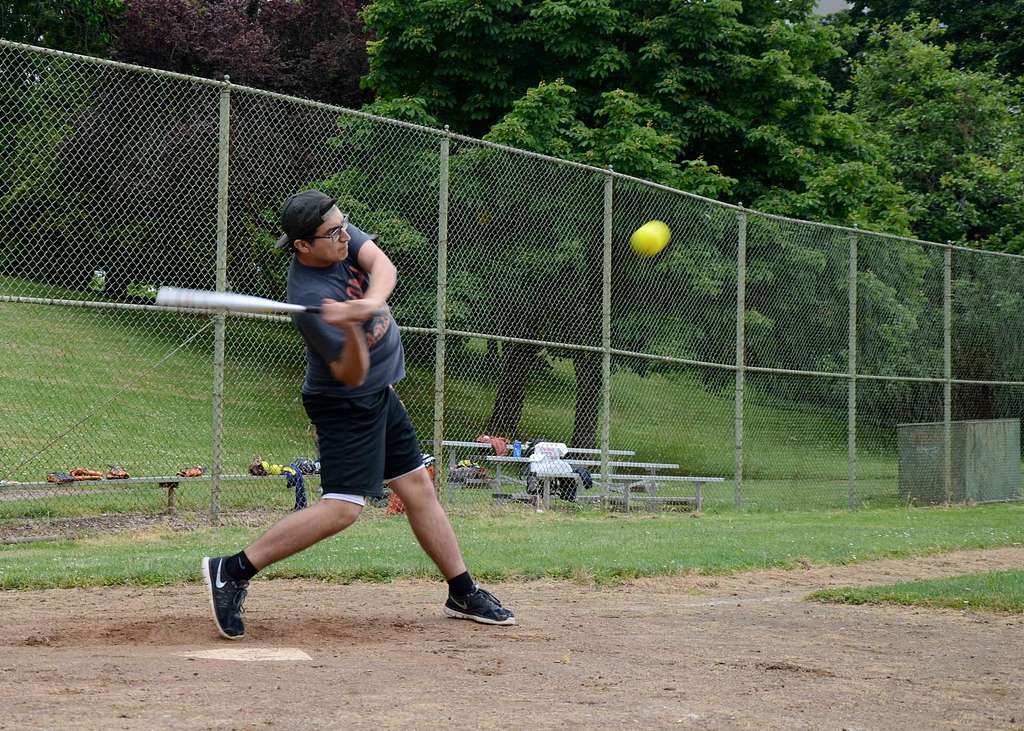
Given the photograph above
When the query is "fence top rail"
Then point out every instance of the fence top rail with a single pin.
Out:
(133, 68)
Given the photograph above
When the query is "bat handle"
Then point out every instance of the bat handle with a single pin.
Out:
(315, 309)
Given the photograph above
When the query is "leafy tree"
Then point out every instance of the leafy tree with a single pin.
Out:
(198, 38)
(314, 48)
(720, 98)
(568, 279)
(987, 35)
(130, 160)
(729, 83)
(111, 174)
(77, 26)
(953, 138)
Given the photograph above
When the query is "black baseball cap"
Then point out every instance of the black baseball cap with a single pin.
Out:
(302, 214)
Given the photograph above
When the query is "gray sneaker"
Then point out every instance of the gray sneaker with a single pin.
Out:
(226, 598)
(480, 606)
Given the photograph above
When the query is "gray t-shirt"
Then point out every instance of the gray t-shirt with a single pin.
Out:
(343, 281)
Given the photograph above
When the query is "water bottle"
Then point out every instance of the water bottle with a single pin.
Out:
(517, 448)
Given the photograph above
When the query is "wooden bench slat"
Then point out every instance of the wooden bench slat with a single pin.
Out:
(657, 478)
(650, 465)
(588, 462)
(615, 452)
(673, 499)
(576, 450)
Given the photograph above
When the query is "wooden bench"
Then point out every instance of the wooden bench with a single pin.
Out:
(647, 486)
(90, 487)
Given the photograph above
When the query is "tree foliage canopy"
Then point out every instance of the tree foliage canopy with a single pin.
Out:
(721, 96)
(314, 48)
(988, 35)
(952, 137)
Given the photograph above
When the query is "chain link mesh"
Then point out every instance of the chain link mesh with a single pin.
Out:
(110, 189)
(899, 308)
(682, 302)
(105, 193)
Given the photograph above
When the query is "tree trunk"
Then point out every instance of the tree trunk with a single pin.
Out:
(518, 361)
(588, 398)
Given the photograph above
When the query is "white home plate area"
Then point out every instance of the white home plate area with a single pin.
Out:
(251, 654)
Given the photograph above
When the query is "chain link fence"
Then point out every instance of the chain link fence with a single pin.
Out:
(793, 365)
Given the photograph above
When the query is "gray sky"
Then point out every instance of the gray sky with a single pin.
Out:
(831, 6)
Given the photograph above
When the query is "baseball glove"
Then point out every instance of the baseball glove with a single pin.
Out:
(80, 473)
(256, 467)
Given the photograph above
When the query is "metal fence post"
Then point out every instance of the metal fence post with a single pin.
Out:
(442, 307)
(606, 336)
(947, 386)
(741, 306)
(851, 384)
(217, 457)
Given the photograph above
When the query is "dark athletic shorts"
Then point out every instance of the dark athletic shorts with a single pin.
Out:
(363, 441)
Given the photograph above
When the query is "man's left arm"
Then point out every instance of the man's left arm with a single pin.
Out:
(383, 277)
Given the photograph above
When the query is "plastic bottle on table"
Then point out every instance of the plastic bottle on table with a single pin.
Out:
(517, 448)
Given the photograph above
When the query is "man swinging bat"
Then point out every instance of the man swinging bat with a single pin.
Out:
(354, 356)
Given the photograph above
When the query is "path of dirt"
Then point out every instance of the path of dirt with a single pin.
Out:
(742, 651)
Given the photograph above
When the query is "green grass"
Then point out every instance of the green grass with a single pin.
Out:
(1000, 591)
(589, 547)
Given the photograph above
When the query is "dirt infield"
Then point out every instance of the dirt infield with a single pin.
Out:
(743, 651)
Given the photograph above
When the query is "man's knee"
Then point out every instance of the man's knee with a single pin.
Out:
(416, 489)
(339, 514)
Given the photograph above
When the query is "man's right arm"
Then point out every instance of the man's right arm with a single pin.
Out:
(353, 364)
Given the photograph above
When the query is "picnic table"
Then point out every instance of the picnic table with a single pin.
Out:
(625, 494)
(484, 451)
(636, 484)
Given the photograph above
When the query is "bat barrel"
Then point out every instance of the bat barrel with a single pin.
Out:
(226, 301)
